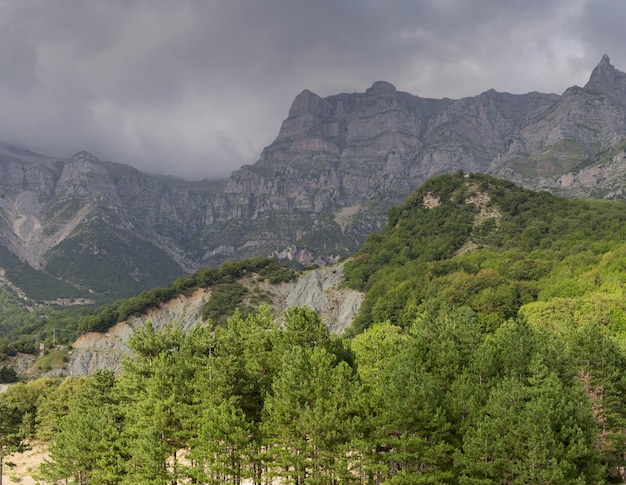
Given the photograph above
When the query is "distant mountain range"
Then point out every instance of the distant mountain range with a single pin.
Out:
(81, 228)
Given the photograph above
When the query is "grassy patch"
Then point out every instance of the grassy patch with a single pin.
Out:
(55, 358)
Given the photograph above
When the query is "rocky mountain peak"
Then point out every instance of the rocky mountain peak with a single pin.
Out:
(83, 156)
(381, 87)
(80, 164)
(305, 102)
(606, 79)
(326, 182)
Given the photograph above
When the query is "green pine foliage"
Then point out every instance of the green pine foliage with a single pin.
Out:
(225, 299)
(443, 401)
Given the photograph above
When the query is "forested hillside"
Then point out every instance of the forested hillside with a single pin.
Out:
(495, 249)
(489, 349)
(23, 331)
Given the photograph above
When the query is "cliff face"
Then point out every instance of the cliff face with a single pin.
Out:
(578, 131)
(340, 162)
(82, 227)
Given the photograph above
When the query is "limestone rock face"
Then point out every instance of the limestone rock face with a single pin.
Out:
(581, 128)
(87, 227)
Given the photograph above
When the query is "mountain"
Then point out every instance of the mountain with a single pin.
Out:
(470, 244)
(490, 247)
(82, 229)
(489, 349)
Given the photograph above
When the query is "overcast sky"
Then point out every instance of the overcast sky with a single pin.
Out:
(197, 88)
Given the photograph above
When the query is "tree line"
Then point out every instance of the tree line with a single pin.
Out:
(24, 324)
(440, 401)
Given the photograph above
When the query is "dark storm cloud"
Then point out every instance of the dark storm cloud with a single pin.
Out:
(197, 88)
(601, 28)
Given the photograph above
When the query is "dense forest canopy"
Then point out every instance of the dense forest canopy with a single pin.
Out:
(496, 248)
(440, 401)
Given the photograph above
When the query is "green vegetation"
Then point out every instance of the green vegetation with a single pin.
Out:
(490, 348)
(7, 375)
(225, 299)
(55, 358)
(222, 280)
(14, 312)
(529, 250)
(442, 401)
(21, 330)
(100, 256)
(41, 286)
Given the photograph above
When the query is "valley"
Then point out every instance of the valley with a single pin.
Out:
(400, 290)
(484, 319)
(85, 228)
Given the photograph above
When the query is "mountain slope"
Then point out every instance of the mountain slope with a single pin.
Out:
(470, 243)
(495, 249)
(584, 123)
(76, 221)
(320, 289)
(86, 228)
(450, 385)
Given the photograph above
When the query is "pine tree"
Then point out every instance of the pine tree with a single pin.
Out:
(535, 432)
(410, 438)
(11, 433)
(601, 367)
(311, 417)
(221, 448)
(157, 398)
(90, 447)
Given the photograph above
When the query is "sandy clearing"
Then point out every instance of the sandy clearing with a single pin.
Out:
(25, 464)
